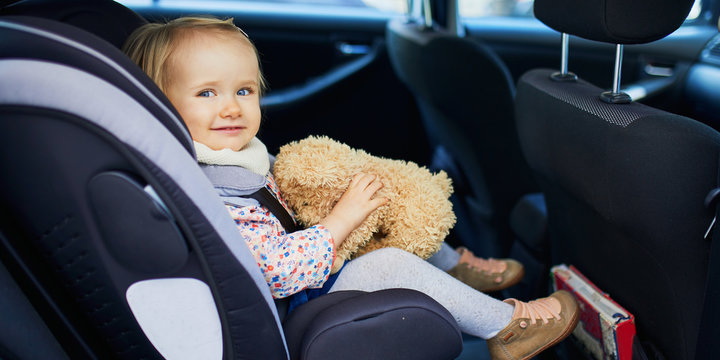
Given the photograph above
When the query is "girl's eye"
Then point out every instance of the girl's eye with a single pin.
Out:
(206, 93)
(244, 92)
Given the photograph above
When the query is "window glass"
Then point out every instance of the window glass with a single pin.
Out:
(396, 6)
(522, 8)
(381, 6)
(467, 8)
(480, 8)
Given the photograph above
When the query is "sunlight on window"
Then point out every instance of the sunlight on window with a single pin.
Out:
(467, 8)
(480, 8)
(396, 6)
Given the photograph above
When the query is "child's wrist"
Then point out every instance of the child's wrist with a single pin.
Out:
(336, 227)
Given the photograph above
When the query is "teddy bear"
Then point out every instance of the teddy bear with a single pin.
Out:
(314, 172)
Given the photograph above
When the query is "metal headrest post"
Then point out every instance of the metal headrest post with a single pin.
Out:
(454, 22)
(564, 75)
(414, 10)
(615, 96)
(427, 14)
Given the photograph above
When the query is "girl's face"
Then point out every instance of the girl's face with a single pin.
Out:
(213, 83)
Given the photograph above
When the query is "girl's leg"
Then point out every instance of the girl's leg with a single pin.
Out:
(446, 258)
(476, 313)
(513, 329)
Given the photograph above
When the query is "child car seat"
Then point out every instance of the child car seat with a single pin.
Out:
(121, 244)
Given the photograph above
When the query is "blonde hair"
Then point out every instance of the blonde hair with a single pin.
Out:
(150, 45)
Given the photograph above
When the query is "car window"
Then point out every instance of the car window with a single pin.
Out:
(522, 8)
(467, 8)
(390, 7)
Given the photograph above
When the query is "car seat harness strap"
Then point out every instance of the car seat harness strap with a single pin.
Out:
(264, 197)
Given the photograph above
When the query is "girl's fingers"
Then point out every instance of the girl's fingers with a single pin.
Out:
(379, 201)
(357, 177)
(375, 185)
(364, 180)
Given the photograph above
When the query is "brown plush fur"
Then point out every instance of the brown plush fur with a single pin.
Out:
(313, 173)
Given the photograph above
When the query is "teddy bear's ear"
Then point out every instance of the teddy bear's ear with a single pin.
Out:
(443, 182)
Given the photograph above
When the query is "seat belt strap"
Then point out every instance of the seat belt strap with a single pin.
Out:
(264, 197)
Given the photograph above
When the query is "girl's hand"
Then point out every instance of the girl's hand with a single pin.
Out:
(354, 206)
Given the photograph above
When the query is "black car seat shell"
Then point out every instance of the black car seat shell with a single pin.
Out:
(106, 214)
(624, 183)
(108, 20)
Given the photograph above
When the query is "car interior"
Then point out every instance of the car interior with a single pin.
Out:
(585, 133)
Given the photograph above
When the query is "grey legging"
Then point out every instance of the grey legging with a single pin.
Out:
(477, 314)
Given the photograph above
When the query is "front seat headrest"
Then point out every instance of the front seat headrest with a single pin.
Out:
(614, 21)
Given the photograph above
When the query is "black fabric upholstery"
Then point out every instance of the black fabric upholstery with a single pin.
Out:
(465, 94)
(531, 247)
(393, 323)
(106, 19)
(614, 21)
(120, 211)
(31, 340)
(18, 32)
(707, 339)
(529, 222)
(625, 200)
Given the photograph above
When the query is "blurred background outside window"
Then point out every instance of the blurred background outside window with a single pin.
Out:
(468, 8)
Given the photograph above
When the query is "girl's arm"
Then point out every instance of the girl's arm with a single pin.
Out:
(289, 262)
(299, 260)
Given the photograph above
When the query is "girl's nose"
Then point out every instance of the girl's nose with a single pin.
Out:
(231, 109)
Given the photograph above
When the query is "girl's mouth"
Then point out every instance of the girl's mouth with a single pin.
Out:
(229, 130)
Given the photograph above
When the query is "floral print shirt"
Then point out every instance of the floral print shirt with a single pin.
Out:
(289, 262)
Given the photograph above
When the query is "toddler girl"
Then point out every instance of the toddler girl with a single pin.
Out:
(210, 71)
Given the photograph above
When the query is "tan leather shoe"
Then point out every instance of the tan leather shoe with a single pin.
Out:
(535, 326)
(486, 275)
